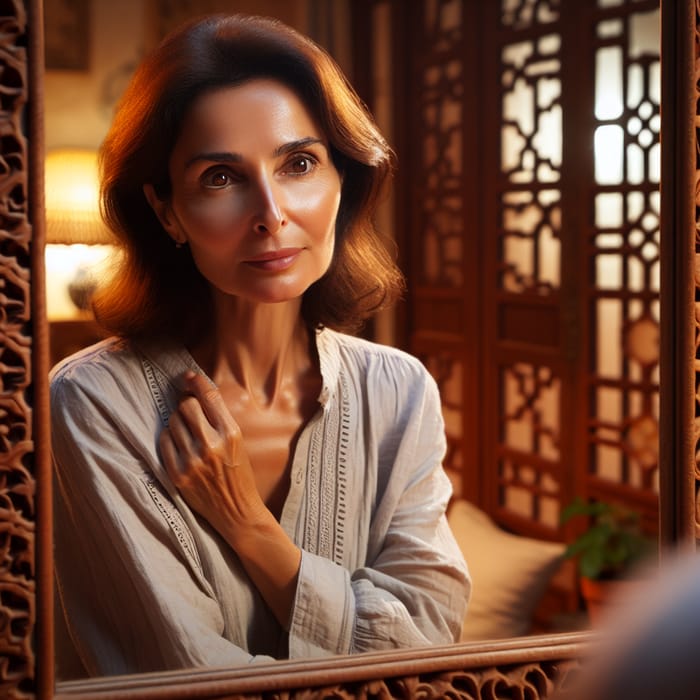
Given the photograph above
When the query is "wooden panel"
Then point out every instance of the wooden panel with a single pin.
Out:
(522, 168)
(437, 128)
(534, 287)
(529, 323)
(622, 275)
(444, 316)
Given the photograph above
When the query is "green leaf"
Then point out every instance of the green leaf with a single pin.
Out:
(591, 563)
(581, 507)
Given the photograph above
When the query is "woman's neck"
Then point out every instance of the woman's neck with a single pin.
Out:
(262, 348)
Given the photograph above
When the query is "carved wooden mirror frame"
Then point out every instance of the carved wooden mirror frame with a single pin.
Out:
(527, 667)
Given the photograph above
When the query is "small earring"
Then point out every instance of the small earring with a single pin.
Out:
(178, 245)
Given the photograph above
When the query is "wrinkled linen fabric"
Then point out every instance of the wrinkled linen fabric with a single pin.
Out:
(144, 583)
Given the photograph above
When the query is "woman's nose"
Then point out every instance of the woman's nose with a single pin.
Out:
(269, 216)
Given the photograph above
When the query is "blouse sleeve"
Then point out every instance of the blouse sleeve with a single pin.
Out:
(116, 556)
(415, 585)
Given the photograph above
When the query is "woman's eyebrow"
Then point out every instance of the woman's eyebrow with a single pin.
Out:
(216, 156)
(228, 157)
(296, 145)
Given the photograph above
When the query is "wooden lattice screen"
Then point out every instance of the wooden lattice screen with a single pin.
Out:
(533, 240)
(456, 312)
(528, 219)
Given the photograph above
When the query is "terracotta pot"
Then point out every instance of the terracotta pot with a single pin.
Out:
(601, 596)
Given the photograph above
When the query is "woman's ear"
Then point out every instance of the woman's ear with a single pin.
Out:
(164, 212)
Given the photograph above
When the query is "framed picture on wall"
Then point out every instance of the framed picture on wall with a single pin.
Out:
(67, 34)
(162, 16)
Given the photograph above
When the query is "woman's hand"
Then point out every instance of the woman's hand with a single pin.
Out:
(205, 457)
(203, 452)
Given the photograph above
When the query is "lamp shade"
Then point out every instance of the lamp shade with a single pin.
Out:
(72, 198)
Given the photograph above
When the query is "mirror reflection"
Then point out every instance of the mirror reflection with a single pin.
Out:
(525, 208)
(238, 478)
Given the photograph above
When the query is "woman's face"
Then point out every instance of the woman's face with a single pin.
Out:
(254, 192)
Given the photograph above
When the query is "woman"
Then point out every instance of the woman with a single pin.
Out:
(237, 478)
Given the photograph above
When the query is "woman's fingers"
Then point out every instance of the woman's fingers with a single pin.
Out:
(193, 424)
(209, 400)
(171, 457)
(180, 429)
(210, 422)
(202, 430)
(203, 452)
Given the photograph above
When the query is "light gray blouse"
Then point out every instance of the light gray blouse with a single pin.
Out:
(145, 583)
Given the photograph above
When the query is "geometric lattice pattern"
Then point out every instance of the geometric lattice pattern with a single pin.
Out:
(441, 117)
(529, 254)
(531, 156)
(564, 298)
(620, 242)
(524, 14)
(529, 437)
(624, 244)
(441, 225)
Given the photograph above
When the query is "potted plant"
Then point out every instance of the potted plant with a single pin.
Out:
(607, 551)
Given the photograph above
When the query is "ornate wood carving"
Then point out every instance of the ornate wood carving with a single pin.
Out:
(531, 681)
(472, 672)
(527, 681)
(521, 668)
(696, 432)
(17, 478)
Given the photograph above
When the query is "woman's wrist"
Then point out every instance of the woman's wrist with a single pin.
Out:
(272, 561)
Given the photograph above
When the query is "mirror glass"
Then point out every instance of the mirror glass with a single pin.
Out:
(535, 263)
(534, 256)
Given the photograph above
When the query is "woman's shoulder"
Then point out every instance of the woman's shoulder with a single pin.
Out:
(394, 385)
(111, 359)
(366, 356)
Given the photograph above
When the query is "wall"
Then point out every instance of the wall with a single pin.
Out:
(79, 104)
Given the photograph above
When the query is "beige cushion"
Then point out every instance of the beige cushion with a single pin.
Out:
(509, 573)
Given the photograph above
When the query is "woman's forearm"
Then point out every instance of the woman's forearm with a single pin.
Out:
(272, 561)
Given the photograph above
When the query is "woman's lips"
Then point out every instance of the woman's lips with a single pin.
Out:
(275, 260)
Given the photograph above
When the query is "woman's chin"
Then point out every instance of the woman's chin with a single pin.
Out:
(271, 297)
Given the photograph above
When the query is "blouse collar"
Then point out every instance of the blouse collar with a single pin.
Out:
(173, 359)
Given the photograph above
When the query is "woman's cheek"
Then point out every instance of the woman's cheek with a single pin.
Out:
(216, 216)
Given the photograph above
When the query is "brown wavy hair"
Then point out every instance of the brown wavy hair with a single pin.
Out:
(156, 288)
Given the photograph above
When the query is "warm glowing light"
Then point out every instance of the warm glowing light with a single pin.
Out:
(72, 208)
(609, 163)
(66, 265)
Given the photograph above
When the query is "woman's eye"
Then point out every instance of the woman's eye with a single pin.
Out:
(216, 179)
(301, 165)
